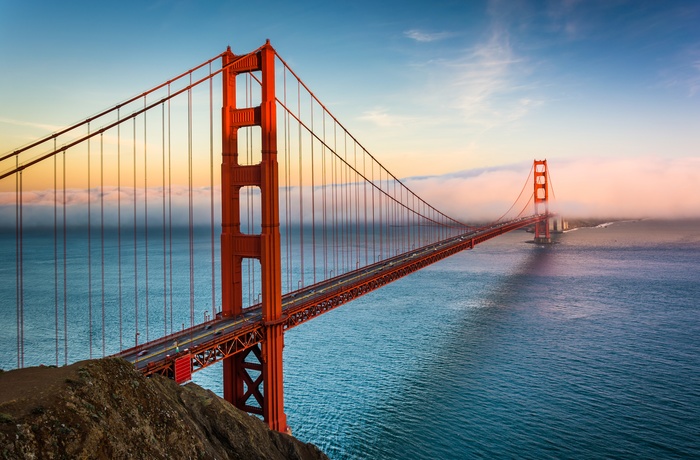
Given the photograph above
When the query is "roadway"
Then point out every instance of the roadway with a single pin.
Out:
(213, 340)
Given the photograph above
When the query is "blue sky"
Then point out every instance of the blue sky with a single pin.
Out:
(430, 88)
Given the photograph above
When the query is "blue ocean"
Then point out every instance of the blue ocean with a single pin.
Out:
(586, 348)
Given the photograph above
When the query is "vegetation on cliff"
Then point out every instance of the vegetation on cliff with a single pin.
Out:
(104, 409)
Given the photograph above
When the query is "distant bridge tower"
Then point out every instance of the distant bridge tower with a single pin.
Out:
(255, 387)
(541, 198)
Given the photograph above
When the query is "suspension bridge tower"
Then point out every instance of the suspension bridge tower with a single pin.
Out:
(253, 379)
(541, 199)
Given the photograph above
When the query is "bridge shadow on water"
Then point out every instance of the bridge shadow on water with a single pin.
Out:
(429, 414)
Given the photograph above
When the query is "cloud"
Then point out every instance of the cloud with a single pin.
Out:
(591, 187)
(484, 84)
(45, 127)
(38, 206)
(566, 17)
(425, 37)
(639, 187)
(686, 73)
(381, 118)
(488, 82)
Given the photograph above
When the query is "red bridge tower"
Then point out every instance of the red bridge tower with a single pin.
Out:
(246, 379)
(541, 198)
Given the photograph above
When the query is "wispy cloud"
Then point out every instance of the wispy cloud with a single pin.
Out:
(489, 83)
(425, 37)
(38, 205)
(382, 118)
(686, 74)
(623, 187)
(45, 127)
(565, 18)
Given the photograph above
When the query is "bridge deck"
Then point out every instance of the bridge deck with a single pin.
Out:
(210, 342)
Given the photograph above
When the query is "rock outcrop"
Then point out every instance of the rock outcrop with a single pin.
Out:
(104, 409)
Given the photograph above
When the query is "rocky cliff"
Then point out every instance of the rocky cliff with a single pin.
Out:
(104, 409)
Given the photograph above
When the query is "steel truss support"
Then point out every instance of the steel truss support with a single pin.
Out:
(244, 380)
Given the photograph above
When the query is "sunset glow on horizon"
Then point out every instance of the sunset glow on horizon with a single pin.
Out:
(455, 99)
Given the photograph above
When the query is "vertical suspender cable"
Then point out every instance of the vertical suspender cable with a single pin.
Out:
(165, 254)
(190, 207)
(65, 277)
(357, 205)
(89, 230)
(380, 199)
(55, 245)
(248, 224)
(348, 207)
(170, 217)
(102, 236)
(136, 289)
(394, 205)
(249, 194)
(301, 187)
(313, 196)
(347, 210)
(287, 184)
(413, 222)
(18, 269)
(145, 208)
(343, 206)
(402, 226)
(401, 214)
(21, 270)
(323, 196)
(389, 215)
(119, 226)
(211, 192)
(374, 245)
(336, 239)
(364, 204)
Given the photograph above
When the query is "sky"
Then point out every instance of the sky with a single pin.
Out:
(456, 97)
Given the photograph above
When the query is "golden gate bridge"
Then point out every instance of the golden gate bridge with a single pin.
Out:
(126, 225)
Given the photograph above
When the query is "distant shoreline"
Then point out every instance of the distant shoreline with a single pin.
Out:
(598, 223)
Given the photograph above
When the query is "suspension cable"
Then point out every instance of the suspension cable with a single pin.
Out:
(113, 124)
(110, 110)
(519, 195)
(551, 187)
(284, 63)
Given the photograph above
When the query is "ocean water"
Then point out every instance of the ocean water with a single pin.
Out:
(587, 348)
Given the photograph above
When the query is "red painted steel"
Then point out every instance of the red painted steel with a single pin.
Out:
(183, 369)
(250, 342)
(239, 385)
(324, 297)
(541, 197)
